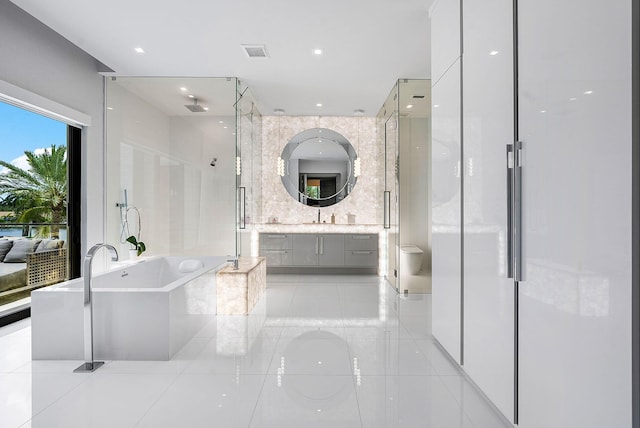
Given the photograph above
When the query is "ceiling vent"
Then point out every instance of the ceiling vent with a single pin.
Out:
(255, 51)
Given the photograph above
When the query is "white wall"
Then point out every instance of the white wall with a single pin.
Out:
(39, 60)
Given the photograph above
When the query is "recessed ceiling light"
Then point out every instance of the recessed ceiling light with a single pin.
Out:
(588, 92)
(494, 53)
(139, 50)
(183, 89)
(572, 99)
(109, 108)
(222, 121)
(225, 127)
(191, 96)
(543, 111)
(436, 105)
(206, 108)
(409, 105)
(317, 51)
(319, 105)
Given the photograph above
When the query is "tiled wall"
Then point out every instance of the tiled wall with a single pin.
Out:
(364, 200)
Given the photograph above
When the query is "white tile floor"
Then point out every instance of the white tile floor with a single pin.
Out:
(332, 351)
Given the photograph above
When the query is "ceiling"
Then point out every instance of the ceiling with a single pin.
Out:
(367, 45)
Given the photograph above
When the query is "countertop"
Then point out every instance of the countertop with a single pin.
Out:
(316, 228)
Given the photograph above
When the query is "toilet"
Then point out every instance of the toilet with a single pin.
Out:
(411, 258)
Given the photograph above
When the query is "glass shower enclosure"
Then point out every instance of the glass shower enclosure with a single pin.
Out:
(171, 164)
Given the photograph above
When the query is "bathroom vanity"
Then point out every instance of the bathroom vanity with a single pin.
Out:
(320, 248)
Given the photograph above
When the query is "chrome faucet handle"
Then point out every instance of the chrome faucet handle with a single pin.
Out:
(235, 263)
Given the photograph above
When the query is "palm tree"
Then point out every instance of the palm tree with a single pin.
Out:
(39, 193)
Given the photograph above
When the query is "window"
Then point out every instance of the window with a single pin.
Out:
(39, 184)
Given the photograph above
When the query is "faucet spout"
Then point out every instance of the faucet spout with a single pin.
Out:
(318, 215)
(89, 364)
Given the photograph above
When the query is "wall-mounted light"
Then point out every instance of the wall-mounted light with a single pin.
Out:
(238, 165)
(357, 168)
(280, 167)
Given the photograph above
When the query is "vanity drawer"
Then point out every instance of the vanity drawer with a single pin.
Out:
(277, 257)
(361, 258)
(361, 242)
(275, 241)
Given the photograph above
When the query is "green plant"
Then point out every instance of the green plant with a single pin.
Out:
(137, 245)
(39, 192)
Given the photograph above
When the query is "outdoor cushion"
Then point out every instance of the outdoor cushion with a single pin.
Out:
(5, 246)
(48, 245)
(20, 249)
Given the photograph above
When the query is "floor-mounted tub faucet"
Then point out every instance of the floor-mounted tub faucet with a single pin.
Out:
(89, 365)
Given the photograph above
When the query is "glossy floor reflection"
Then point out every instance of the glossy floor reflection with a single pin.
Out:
(318, 351)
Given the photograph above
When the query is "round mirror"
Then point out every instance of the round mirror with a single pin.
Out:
(317, 167)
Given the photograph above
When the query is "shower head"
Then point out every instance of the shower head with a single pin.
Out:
(195, 108)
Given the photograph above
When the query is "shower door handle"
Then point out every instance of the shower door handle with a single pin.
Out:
(387, 209)
(242, 199)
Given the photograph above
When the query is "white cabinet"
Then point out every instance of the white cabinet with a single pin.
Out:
(446, 211)
(488, 116)
(445, 36)
(575, 301)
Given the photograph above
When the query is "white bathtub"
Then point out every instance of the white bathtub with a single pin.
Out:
(143, 311)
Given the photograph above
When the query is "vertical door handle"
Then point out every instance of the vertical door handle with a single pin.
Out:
(242, 207)
(317, 244)
(322, 245)
(518, 244)
(387, 209)
(510, 163)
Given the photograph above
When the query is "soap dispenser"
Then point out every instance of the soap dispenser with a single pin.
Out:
(333, 218)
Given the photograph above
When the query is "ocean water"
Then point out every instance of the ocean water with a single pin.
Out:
(10, 231)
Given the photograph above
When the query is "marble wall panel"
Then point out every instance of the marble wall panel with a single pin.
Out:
(365, 199)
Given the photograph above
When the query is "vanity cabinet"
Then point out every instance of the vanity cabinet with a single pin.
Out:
(361, 250)
(277, 248)
(320, 250)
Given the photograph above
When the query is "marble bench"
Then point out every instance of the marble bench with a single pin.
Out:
(238, 291)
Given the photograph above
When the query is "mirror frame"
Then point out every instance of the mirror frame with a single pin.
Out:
(310, 135)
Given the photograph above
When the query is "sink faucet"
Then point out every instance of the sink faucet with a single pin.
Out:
(90, 365)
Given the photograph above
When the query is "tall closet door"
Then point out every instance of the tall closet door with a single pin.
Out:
(575, 126)
(446, 211)
(487, 129)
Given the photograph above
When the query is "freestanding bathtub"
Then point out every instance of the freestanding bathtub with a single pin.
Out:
(142, 311)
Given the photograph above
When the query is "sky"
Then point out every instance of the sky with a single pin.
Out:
(22, 130)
